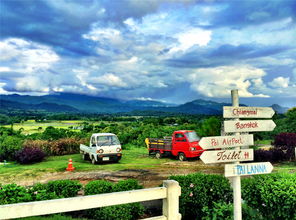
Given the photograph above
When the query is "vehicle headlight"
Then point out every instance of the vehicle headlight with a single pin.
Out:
(118, 149)
(100, 151)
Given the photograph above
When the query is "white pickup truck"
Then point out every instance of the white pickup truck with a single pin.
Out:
(102, 147)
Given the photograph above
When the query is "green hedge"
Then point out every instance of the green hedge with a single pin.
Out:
(264, 197)
(119, 212)
(273, 195)
(12, 193)
(202, 190)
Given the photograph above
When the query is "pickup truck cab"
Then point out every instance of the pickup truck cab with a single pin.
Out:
(102, 147)
(182, 144)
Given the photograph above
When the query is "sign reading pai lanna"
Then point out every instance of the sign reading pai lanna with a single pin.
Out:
(249, 126)
(226, 141)
(226, 156)
(246, 169)
(247, 112)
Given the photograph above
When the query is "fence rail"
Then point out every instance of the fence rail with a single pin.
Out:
(170, 193)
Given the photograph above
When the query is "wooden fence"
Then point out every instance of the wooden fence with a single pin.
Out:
(170, 193)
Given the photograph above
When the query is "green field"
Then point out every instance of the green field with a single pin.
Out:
(30, 126)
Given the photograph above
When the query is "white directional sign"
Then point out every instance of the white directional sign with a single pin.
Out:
(246, 169)
(226, 156)
(226, 141)
(247, 112)
(249, 126)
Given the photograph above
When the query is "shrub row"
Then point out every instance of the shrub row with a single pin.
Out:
(265, 197)
(58, 147)
(12, 193)
(119, 212)
(284, 149)
(31, 151)
(273, 195)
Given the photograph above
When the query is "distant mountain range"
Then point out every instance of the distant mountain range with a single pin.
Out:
(76, 103)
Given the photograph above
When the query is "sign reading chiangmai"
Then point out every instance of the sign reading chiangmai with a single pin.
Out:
(226, 141)
(226, 156)
(247, 112)
(246, 169)
(249, 126)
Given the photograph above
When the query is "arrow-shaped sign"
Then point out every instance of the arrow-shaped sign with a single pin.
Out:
(247, 112)
(226, 156)
(248, 126)
(226, 141)
(246, 169)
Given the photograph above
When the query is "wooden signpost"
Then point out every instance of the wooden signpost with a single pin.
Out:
(246, 169)
(247, 112)
(247, 125)
(235, 154)
(226, 141)
(227, 156)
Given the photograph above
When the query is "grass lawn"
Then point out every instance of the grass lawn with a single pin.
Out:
(135, 158)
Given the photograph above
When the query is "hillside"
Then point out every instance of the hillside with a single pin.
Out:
(66, 102)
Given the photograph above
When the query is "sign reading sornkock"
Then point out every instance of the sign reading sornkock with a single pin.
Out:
(245, 125)
(226, 141)
(247, 112)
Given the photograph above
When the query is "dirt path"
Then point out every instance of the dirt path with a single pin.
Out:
(149, 177)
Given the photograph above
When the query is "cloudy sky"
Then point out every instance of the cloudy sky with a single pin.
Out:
(174, 51)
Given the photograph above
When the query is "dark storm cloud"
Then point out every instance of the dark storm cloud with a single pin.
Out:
(40, 22)
(238, 14)
(224, 55)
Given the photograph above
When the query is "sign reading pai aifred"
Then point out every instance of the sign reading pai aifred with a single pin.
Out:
(226, 141)
(247, 112)
(246, 169)
(226, 156)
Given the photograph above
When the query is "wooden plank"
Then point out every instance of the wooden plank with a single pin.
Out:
(226, 156)
(19, 210)
(226, 141)
(246, 169)
(249, 125)
(247, 112)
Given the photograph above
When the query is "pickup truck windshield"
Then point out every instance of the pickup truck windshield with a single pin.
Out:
(107, 140)
(192, 136)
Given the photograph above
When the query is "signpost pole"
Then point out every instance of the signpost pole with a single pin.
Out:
(237, 206)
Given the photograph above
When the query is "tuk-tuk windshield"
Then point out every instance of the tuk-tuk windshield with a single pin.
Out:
(192, 136)
(107, 140)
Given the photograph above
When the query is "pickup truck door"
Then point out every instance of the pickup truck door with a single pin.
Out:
(180, 142)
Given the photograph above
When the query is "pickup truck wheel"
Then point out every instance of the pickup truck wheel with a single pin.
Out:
(93, 160)
(158, 155)
(85, 157)
(182, 157)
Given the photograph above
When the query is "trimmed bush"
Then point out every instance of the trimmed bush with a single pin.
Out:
(98, 187)
(29, 155)
(12, 193)
(273, 195)
(200, 191)
(64, 188)
(286, 142)
(9, 146)
(39, 192)
(118, 212)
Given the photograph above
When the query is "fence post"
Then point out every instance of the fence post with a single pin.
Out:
(170, 207)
